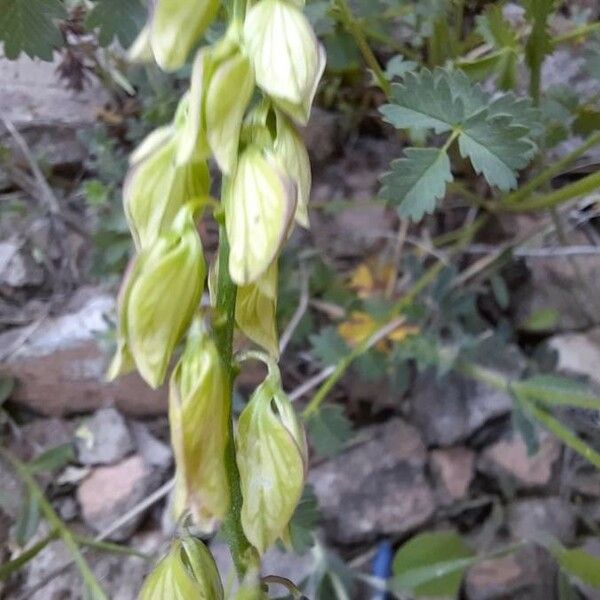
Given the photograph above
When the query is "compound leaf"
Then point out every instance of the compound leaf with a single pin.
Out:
(417, 181)
(328, 430)
(29, 26)
(120, 19)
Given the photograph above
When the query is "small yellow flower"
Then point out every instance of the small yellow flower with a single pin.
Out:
(361, 326)
(198, 416)
(187, 572)
(272, 458)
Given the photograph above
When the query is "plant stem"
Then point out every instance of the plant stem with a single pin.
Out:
(553, 170)
(56, 524)
(355, 30)
(241, 549)
(585, 185)
(578, 32)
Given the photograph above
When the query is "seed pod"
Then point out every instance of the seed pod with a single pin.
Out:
(255, 311)
(176, 26)
(221, 88)
(260, 203)
(287, 57)
(272, 456)
(198, 415)
(187, 572)
(160, 296)
(156, 188)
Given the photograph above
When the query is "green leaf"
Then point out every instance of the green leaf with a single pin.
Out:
(424, 100)
(398, 66)
(417, 181)
(7, 385)
(52, 459)
(432, 564)
(495, 29)
(28, 520)
(304, 521)
(120, 19)
(580, 564)
(328, 346)
(566, 591)
(496, 148)
(500, 291)
(329, 430)
(29, 26)
(557, 391)
(541, 320)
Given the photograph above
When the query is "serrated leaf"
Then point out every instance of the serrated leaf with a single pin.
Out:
(423, 100)
(417, 181)
(304, 521)
(495, 29)
(328, 346)
(120, 19)
(496, 148)
(329, 430)
(432, 564)
(29, 26)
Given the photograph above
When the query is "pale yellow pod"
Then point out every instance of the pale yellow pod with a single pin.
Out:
(156, 188)
(187, 572)
(176, 27)
(287, 57)
(271, 457)
(256, 308)
(198, 416)
(291, 153)
(227, 98)
(164, 295)
(260, 204)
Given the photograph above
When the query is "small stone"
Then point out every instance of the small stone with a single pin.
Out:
(527, 575)
(321, 134)
(453, 469)
(17, 267)
(376, 488)
(67, 508)
(154, 452)
(579, 353)
(103, 439)
(109, 492)
(509, 458)
(529, 518)
(11, 490)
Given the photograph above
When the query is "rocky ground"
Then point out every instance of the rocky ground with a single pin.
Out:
(446, 456)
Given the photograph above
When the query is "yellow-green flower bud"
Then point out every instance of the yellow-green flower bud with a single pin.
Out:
(260, 204)
(156, 188)
(187, 572)
(272, 457)
(141, 49)
(255, 310)
(160, 297)
(221, 88)
(176, 26)
(287, 57)
(198, 415)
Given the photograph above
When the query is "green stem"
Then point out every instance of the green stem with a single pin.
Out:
(12, 566)
(578, 32)
(355, 30)
(552, 171)
(241, 550)
(56, 524)
(585, 185)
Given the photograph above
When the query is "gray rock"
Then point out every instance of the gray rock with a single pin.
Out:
(508, 459)
(110, 492)
(529, 574)
(61, 368)
(103, 439)
(11, 489)
(579, 353)
(449, 411)
(155, 453)
(17, 267)
(530, 518)
(321, 135)
(377, 487)
(453, 469)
